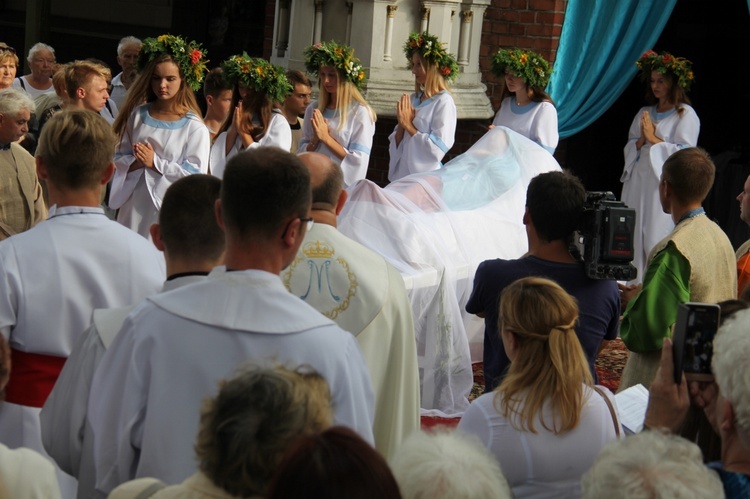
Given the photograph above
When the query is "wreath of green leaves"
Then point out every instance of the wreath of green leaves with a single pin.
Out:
(258, 74)
(336, 55)
(189, 56)
(431, 49)
(664, 63)
(531, 67)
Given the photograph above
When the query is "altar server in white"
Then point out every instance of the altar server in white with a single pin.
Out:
(163, 139)
(427, 119)
(528, 110)
(340, 124)
(366, 296)
(255, 122)
(659, 130)
(193, 244)
(54, 275)
(174, 348)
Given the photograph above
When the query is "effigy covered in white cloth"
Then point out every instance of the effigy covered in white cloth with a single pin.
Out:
(436, 228)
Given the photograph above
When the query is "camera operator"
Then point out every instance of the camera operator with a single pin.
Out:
(554, 203)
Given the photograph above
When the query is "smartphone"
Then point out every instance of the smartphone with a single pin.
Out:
(693, 339)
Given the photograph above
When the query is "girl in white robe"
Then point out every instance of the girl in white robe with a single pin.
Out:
(162, 140)
(528, 110)
(427, 119)
(340, 124)
(255, 122)
(658, 130)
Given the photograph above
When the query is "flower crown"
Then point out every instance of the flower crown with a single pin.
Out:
(527, 65)
(336, 55)
(189, 56)
(431, 49)
(258, 74)
(665, 63)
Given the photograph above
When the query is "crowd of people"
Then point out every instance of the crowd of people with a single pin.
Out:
(182, 317)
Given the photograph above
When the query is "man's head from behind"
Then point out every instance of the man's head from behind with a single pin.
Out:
(732, 373)
(326, 182)
(554, 203)
(187, 227)
(251, 423)
(690, 175)
(86, 84)
(75, 150)
(15, 112)
(265, 191)
(650, 464)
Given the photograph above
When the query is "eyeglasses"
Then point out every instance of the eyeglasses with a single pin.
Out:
(308, 221)
(5, 48)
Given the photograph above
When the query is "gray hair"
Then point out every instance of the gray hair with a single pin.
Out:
(445, 465)
(731, 370)
(651, 464)
(128, 40)
(12, 101)
(37, 47)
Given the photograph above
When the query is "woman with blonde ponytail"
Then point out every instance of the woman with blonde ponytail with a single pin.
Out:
(546, 422)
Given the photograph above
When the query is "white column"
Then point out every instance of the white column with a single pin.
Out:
(425, 21)
(465, 37)
(389, 31)
(317, 33)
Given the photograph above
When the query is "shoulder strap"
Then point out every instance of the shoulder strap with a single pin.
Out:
(611, 410)
(23, 85)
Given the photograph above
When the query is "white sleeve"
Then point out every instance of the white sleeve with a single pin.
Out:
(474, 422)
(430, 146)
(195, 156)
(307, 131)
(630, 151)
(63, 416)
(123, 181)
(218, 157)
(683, 134)
(545, 131)
(279, 134)
(354, 164)
(116, 410)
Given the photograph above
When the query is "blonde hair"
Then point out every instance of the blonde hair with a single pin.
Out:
(77, 146)
(434, 81)
(141, 92)
(345, 93)
(550, 366)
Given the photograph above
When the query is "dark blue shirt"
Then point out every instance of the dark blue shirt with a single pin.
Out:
(598, 303)
(736, 485)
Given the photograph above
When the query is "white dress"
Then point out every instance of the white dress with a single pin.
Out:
(435, 121)
(278, 135)
(536, 121)
(181, 148)
(542, 464)
(642, 174)
(355, 138)
(175, 347)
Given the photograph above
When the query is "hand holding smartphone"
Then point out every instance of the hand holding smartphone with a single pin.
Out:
(692, 340)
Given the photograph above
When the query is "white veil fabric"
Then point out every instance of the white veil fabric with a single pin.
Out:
(436, 228)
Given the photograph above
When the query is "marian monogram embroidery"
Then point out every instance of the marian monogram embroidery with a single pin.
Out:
(321, 279)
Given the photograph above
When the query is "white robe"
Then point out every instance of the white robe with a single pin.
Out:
(366, 296)
(435, 121)
(66, 432)
(52, 277)
(181, 148)
(642, 174)
(278, 135)
(355, 138)
(175, 347)
(536, 121)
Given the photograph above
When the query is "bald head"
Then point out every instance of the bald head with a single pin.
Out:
(326, 180)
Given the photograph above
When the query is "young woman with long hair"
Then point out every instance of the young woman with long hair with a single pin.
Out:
(527, 109)
(255, 121)
(340, 124)
(667, 124)
(427, 119)
(162, 137)
(546, 422)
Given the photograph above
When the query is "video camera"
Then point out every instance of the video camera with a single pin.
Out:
(605, 231)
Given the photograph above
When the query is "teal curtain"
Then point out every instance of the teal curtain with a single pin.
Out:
(599, 44)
